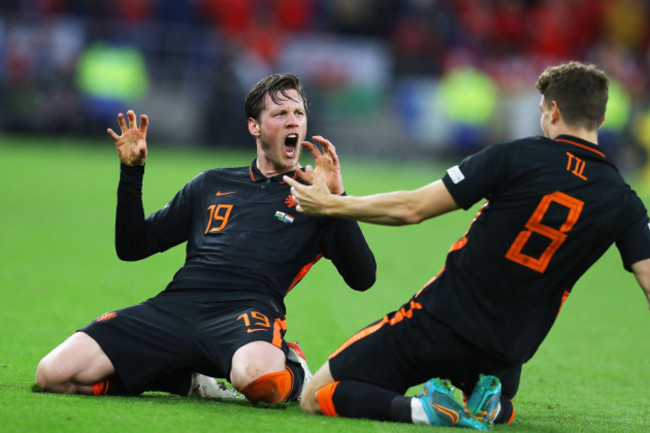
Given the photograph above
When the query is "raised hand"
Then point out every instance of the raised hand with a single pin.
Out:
(310, 198)
(327, 164)
(132, 143)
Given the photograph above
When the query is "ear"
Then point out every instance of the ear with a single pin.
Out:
(253, 127)
(556, 114)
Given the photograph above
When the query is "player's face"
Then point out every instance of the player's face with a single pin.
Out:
(280, 133)
(545, 120)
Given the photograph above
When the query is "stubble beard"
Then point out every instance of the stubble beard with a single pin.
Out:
(276, 159)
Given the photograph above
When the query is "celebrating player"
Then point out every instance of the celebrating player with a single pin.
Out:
(223, 314)
(554, 205)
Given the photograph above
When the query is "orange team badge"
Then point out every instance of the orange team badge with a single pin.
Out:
(106, 316)
(289, 201)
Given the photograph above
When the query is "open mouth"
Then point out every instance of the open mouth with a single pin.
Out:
(290, 144)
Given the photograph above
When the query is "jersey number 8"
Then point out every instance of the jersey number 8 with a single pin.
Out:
(534, 225)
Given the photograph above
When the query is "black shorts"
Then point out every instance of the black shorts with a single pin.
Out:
(169, 334)
(408, 347)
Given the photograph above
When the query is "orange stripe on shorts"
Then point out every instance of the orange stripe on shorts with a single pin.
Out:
(399, 315)
(278, 327)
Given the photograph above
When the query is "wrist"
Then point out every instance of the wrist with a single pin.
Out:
(331, 204)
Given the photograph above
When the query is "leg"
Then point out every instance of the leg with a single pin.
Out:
(353, 399)
(74, 366)
(254, 360)
(251, 352)
(367, 376)
(309, 397)
(115, 354)
(510, 382)
(260, 372)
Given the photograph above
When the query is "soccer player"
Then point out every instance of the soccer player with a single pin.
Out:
(223, 314)
(554, 205)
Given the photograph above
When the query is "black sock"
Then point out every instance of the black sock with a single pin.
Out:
(354, 399)
(400, 409)
(173, 383)
(506, 412)
(298, 379)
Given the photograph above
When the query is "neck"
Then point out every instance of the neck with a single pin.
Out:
(269, 170)
(585, 134)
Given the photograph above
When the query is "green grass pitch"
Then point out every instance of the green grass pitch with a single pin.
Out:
(59, 270)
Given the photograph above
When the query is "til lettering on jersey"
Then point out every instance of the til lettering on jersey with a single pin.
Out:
(575, 165)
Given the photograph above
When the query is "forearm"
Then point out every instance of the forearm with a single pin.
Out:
(641, 270)
(132, 242)
(386, 209)
(391, 208)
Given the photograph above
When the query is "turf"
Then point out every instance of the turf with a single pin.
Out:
(59, 270)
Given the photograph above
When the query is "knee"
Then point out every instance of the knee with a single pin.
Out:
(254, 360)
(41, 375)
(51, 377)
(245, 373)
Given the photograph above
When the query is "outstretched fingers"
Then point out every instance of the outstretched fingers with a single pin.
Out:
(132, 123)
(121, 120)
(112, 134)
(312, 149)
(328, 148)
(132, 119)
(131, 143)
(144, 123)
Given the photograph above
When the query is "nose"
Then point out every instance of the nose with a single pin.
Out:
(292, 119)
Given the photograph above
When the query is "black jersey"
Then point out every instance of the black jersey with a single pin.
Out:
(245, 240)
(553, 208)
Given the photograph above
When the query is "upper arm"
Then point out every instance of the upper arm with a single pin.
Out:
(172, 224)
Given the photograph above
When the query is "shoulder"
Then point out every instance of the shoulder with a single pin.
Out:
(522, 149)
(214, 174)
(520, 144)
(225, 172)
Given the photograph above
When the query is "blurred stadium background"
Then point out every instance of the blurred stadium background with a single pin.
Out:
(387, 78)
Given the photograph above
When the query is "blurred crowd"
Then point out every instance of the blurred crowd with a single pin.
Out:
(387, 75)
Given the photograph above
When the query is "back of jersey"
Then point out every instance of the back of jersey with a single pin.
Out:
(553, 208)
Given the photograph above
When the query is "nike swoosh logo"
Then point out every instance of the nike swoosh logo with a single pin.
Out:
(219, 193)
(253, 330)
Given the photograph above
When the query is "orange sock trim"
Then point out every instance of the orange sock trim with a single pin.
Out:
(270, 388)
(101, 387)
(325, 402)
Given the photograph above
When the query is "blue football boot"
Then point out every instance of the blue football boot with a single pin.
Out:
(443, 409)
(484, 401)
